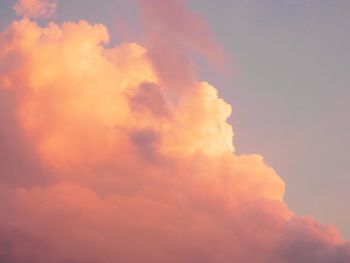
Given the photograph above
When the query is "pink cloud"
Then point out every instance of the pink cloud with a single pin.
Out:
(101, 164)
(171, 29)
(35, 8)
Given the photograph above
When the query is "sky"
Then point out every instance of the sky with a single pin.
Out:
(281, 66)
(290, 94)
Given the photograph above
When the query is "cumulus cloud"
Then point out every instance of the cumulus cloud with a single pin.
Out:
(35, 8)
(105, 162)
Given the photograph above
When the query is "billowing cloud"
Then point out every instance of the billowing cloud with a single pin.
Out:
(35, 8)
(104, 161)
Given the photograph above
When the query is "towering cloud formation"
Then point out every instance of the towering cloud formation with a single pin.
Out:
(120, 155)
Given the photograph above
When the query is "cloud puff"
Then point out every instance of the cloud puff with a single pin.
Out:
(35, 8)
(105, 162)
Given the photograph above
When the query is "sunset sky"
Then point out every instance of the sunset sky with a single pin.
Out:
(116, 141)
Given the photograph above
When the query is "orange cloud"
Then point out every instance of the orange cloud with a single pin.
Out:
(104, 162)
(35, 8)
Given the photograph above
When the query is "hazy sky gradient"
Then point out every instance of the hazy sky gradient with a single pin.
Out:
(289, 87)
(290, 95)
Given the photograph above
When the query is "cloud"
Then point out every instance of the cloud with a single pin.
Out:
(171, 29)
(35, 8)
(104, 162)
